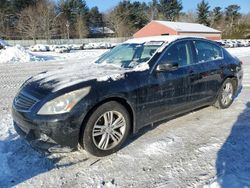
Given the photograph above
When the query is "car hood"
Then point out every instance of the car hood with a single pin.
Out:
(53, 81)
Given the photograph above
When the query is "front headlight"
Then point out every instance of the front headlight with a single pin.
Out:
(63, 103)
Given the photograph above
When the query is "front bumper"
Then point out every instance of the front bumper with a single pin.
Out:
(51, 133)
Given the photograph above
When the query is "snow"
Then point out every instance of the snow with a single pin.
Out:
(207, 148)
(74, 55)
(80, 72)
(142, 40)
(17, 54)
(113, 77)
(188, 27)
(239, 52)
(141, 67)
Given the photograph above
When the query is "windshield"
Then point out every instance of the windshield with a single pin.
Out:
(130, 55)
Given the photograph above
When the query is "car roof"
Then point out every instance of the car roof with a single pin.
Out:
(168, 39)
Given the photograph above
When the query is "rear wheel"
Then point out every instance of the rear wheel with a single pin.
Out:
(226, 94)
(106, 129)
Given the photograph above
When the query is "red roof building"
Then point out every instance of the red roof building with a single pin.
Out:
(157, 28)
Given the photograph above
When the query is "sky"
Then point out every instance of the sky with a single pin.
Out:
(188, 5)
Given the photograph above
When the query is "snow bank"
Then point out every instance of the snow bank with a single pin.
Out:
(17, 54)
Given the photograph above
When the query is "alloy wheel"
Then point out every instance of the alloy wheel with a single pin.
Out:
(109, 130)
(227, 94)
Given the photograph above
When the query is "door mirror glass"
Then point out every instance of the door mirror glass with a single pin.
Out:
(167, 67)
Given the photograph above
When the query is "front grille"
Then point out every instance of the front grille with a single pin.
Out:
(24, 102)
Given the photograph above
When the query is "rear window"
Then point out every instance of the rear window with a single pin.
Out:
(207, 51)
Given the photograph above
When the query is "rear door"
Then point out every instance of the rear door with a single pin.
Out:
(205, 73)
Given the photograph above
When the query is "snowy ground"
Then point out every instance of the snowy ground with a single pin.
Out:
(205, 148)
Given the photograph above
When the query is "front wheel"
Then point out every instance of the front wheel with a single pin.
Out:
(226, 94)
(106, 129)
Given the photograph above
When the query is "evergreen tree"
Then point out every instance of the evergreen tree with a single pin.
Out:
(128, 17)
(137, 15)
(74, 10)
(232, 14)
(170, 9)
(216, 15)
(203, 13)
(95, 17)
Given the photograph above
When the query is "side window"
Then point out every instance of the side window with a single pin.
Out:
(179, 52)
(207, 51)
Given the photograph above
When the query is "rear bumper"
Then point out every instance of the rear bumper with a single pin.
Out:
(48, 133)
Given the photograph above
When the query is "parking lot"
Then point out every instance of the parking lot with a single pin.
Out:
(205, 147)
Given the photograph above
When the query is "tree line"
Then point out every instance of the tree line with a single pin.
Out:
(48, 19)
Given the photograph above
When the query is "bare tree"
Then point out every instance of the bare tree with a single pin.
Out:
(2, 16)
(189, 16)
(61, 26)
(38, 21)
(119, 23)
(47, 18)
(28, 24)
(81, 26)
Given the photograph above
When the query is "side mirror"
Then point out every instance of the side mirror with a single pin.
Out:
(167, 67)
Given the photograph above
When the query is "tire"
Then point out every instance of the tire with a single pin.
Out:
(226, 94)
(100, 136)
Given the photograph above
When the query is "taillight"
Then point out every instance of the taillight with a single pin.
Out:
(241, 63)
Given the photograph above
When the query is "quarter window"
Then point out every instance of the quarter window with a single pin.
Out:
(207, 51)
(178, 53)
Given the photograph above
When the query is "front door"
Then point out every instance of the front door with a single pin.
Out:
(166, 92)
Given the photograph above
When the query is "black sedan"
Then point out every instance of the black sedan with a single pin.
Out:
(137, 83)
